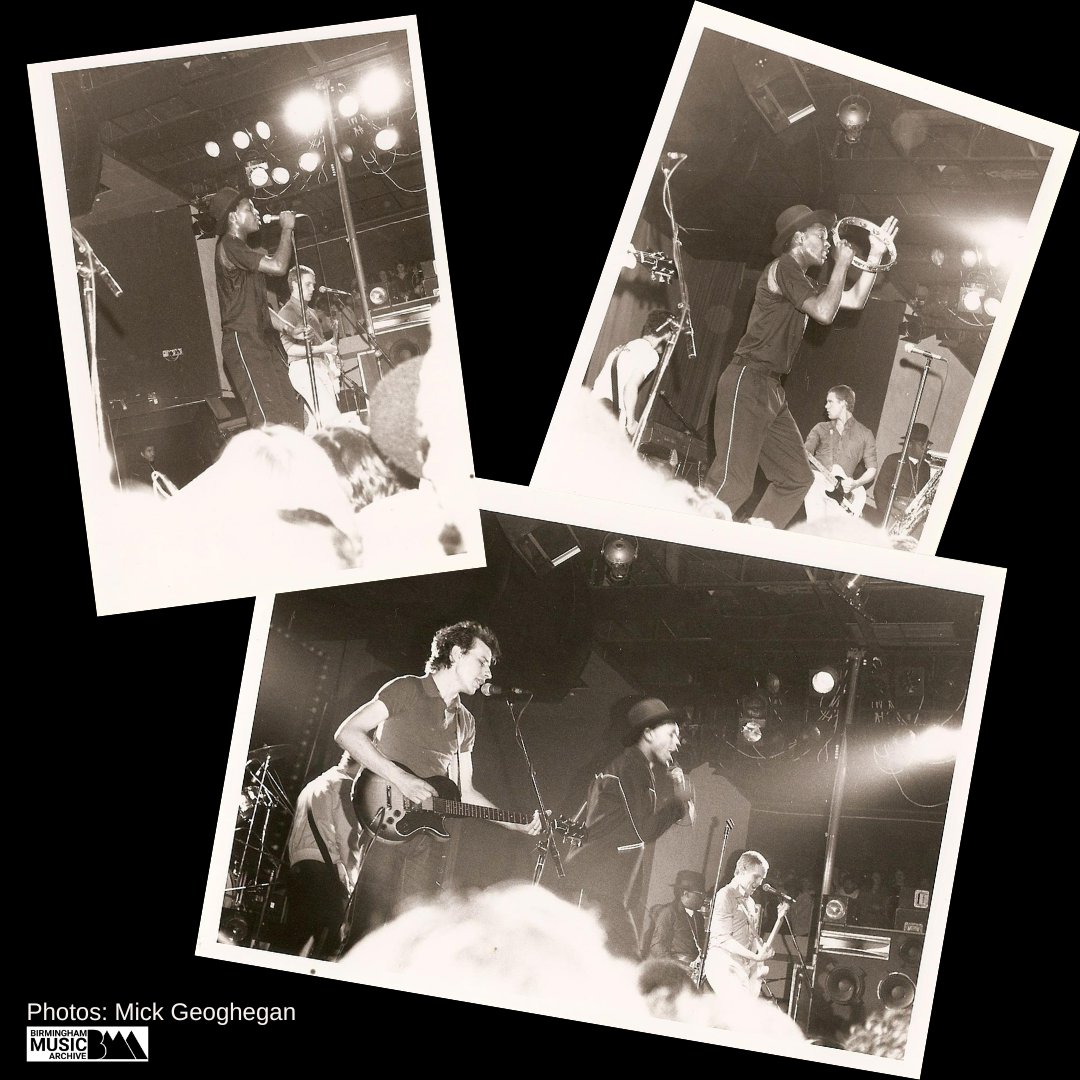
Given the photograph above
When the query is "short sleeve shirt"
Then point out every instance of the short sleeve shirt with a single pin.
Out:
(777, 322)
(849, 448)
(735, 916)
(422, 731)
(241, 287)
(637, 360)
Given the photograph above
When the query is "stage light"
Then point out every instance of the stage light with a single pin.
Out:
(378, 295)
(387, 139)
(825, 679)
(379, 91)
(992, 306)
(970, 300)
(211, 148)
(969, 257)
(259, 176)
(619, 554)
(993, 257)
(937, 257)
(853, 114)
(753, 716)
(305, 112)
(310, 160)
(241, 139)
(262, 129)
(348, 105)
(281, 175)
(346, 152)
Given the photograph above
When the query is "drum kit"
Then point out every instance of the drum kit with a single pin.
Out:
(254, 869)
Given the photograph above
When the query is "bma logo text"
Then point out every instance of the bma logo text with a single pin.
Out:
(87, 1044)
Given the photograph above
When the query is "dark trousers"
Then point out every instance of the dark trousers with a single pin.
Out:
(753, 426)
(391, 875)
(261, 379)
(316, 909)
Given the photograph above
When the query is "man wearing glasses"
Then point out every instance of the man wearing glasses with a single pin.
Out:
(419, 722)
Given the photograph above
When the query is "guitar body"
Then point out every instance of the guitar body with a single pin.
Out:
(383, 810)
(829, 489)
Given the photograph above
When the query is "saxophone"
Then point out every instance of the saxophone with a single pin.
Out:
(916, 510)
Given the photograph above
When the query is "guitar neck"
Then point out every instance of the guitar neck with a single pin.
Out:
(455, 809)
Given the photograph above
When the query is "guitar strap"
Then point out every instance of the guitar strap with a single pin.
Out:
(323, 850)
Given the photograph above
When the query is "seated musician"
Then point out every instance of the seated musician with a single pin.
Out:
(679, 930)
(296, 335)
(841, 441)
(911, 473)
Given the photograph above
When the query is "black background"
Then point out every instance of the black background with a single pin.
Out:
(129, 717)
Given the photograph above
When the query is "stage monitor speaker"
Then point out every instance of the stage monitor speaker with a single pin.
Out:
(686, 457)
(402, 334)
(774, 84)
(186, 441)
(155, 347)
(860, 974)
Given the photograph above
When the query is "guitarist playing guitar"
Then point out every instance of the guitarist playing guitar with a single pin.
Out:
(301, 329)
(843, 454)
(415, 727)
(735, 944)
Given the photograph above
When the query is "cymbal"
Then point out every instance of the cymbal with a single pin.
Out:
(274, 753)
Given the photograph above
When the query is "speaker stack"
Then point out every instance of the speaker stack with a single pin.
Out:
(402, 332)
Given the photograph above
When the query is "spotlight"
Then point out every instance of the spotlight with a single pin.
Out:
(753, 716)
(993, 257)
(348, 105)
(379, 90)
(969, 257)
(378, 295)
(262, 129)
(853, 114)
(211, 148)
(619, 553)
(937, 257)
(346, 152)
(259, 177)
(310, 160)
(992, 306)
(281, 175)
(825, 680)
(387, 139)
(970, 300)
(304, 113)
(241, 139)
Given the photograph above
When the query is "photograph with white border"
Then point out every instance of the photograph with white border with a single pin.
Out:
(688, 721)
(711, 357)
(256, 318)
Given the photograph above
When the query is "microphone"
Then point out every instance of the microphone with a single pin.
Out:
(493, 690)
(922, 352)
(269, 219)
(333, 292)
(776, 892)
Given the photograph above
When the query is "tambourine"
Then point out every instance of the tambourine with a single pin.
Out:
(874, 230)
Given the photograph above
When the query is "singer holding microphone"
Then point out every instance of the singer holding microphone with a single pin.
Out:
(753, 424)
(249, 348)
(631, 803)
(421, 723)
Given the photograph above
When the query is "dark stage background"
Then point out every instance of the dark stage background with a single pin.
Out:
(135, 748)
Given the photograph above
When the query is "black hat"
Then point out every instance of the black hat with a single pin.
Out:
(799, 217)
(689, 881)
(647, 713)
(221, 205)
(919, 433)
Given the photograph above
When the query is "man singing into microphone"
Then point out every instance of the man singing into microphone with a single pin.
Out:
(417, 726)
(631, 803)
(249, 348)
(753, 425)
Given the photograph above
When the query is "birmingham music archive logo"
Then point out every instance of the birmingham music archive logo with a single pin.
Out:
(87, 1044)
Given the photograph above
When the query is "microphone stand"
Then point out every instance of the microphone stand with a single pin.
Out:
(684, 310)
(801, 977)
(548, 844)
(907, 439)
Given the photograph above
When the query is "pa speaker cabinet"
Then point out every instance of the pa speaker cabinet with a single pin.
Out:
(155, 347)
(858, 974)
(402, 333)
(686, 455)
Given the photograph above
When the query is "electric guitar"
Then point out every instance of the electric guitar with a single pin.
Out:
(755, 976)
(327, 369)
(831, 485)
(385, 813)
(720, 964)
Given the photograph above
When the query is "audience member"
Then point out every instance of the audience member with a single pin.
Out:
(883, 1034)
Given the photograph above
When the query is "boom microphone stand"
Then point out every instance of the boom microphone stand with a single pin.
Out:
(668, 166)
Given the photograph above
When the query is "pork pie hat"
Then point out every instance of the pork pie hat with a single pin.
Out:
(689, 881)
(799, 217)
(919, 433)
(647, 713)
(221, 205)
